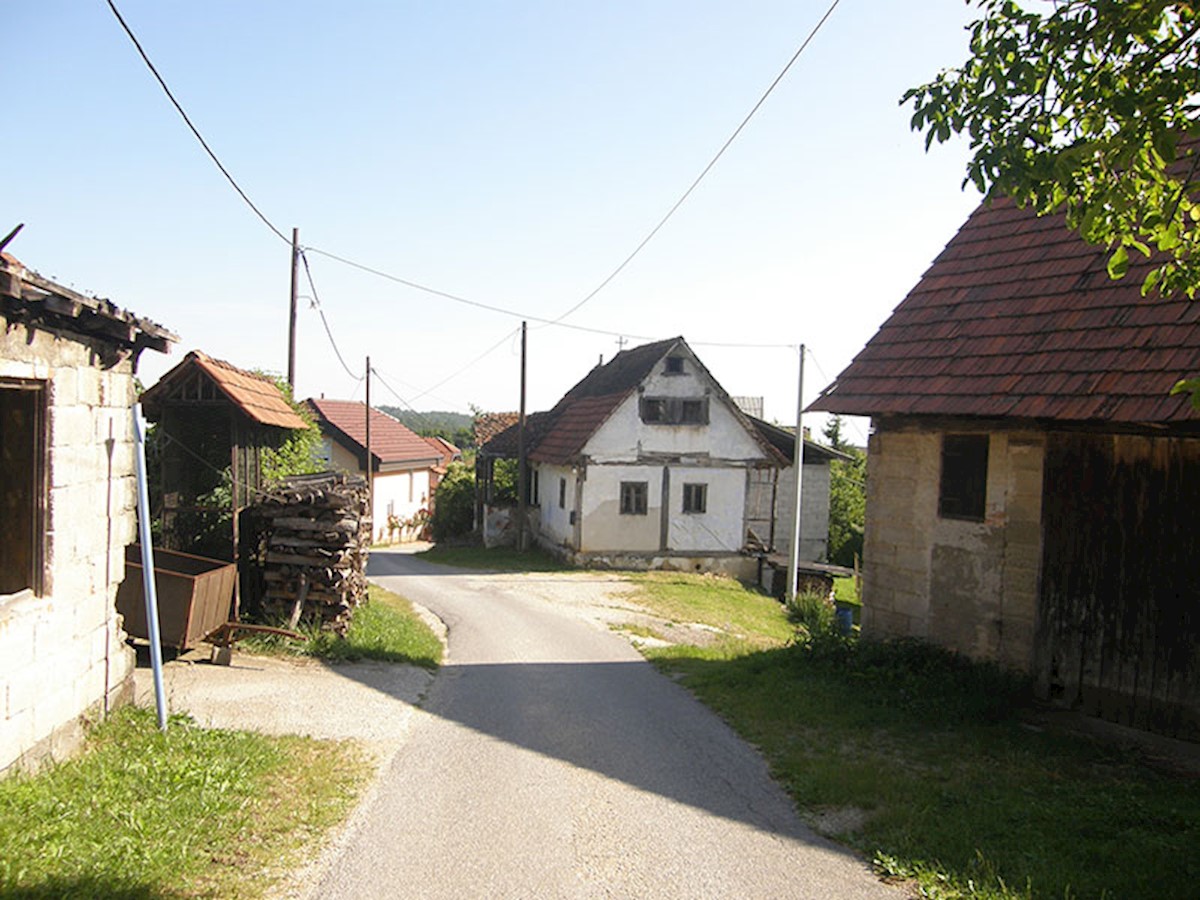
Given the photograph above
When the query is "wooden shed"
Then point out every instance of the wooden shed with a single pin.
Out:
(1033, 491)
(213, 420)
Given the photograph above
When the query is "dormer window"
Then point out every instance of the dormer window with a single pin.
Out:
(674, 365)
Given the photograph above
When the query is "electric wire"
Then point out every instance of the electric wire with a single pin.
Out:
(195, 131)
(699, 178)
(464, 368)
(424, 422)
(320, 310)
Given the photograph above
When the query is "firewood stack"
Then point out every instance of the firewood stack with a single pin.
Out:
(311, 544)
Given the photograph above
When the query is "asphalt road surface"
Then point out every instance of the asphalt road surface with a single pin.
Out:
(548, 759)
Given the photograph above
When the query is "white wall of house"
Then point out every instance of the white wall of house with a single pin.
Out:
(605, 529)
(719, 528)
(398, 490)
(62, 649)
(555, 519)
(625, 437)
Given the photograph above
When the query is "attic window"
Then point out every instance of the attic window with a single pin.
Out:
(22, 472)
(674, 411)
(963, 491)
(674, 366)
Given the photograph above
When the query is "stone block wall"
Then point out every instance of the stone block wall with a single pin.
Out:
(63, 657)
(969, 586)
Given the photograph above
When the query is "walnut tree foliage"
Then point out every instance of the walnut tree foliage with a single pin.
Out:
(1085, 107)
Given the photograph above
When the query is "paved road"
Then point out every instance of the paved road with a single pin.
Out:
(549, 760)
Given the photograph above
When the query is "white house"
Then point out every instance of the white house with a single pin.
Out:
(405, 466)
(67, 364)
(648, 462)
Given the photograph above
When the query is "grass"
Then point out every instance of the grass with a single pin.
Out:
(497, 559)
(749, 619)
(385, 628)
(954, 791)
(193, 813)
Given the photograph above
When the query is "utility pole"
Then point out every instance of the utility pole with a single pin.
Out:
(370, 466)
(798, 466)
(522, 511)
(292, 313)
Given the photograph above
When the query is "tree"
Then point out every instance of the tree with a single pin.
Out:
(847, 497)
(1086, 107)
(454, 503)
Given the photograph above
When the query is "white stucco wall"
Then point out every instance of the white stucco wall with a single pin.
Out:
(402, 491)
(63, 654)
(719, 528)
(555, 521)
(604, 528)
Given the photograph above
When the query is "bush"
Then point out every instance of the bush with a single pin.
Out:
(813, 615)
(454, 503)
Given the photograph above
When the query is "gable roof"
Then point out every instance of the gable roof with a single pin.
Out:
(257, 396)
(1018, 318)
(391, 442)
(558, 436)
(784, 440)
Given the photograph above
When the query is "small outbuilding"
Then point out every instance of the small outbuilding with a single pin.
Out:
(67, 508)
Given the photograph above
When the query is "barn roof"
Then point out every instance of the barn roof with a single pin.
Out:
(255, 395)
(1018, 318)
(391, 441)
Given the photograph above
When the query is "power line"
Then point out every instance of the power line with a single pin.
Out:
(203, 143)
(458, 372)
(699, 178)
(424, 422)
(324, 321)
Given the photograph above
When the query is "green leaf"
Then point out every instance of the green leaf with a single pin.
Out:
(1118, 263)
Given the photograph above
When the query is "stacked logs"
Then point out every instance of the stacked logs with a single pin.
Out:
(310, 542)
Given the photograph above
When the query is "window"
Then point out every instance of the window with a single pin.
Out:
(562, 493)
(695, 498)
(633, 497)
(22, 473)
(674, 411)
(963, 491)
(674, 365)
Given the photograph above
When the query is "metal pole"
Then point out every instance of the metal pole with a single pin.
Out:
(370, 465)
(798, 466)
(521, 504)
(148, 587)
(292, 314)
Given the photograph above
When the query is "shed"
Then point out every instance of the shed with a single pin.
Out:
(1034, 489)
(213, 421)
(67, 510)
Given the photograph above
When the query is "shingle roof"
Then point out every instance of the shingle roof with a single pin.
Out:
(558, 436)
(1018, 318)
(391, 441)
(255, 395)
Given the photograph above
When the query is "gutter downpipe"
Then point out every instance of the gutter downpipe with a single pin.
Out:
(148, 586)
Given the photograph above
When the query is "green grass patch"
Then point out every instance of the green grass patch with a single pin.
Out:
(845, 591)
(956, 792)
(497, 559)
(385, 628)
(749, 618)
(192, 813)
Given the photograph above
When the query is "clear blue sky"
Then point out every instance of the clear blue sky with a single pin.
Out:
(510, 153)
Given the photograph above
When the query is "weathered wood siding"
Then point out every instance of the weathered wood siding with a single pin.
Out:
(1119, 613)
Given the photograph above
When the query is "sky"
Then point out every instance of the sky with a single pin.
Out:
(509, 154)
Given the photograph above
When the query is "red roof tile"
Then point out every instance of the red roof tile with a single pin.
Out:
(1018, 317)
(391, 441)
(255, 395)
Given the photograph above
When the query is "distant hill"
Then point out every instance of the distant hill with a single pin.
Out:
(458, 428)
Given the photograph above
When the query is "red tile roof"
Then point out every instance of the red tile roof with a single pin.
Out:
(1018, 318)
(255, 395)
(446, 450)
(558, 437)
(391, 441)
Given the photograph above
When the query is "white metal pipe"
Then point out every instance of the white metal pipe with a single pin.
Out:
(148, 587)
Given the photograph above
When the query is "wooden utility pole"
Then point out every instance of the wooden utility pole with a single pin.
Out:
(370, 465)
(292, 312)
(522, 510)
(798, 465)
